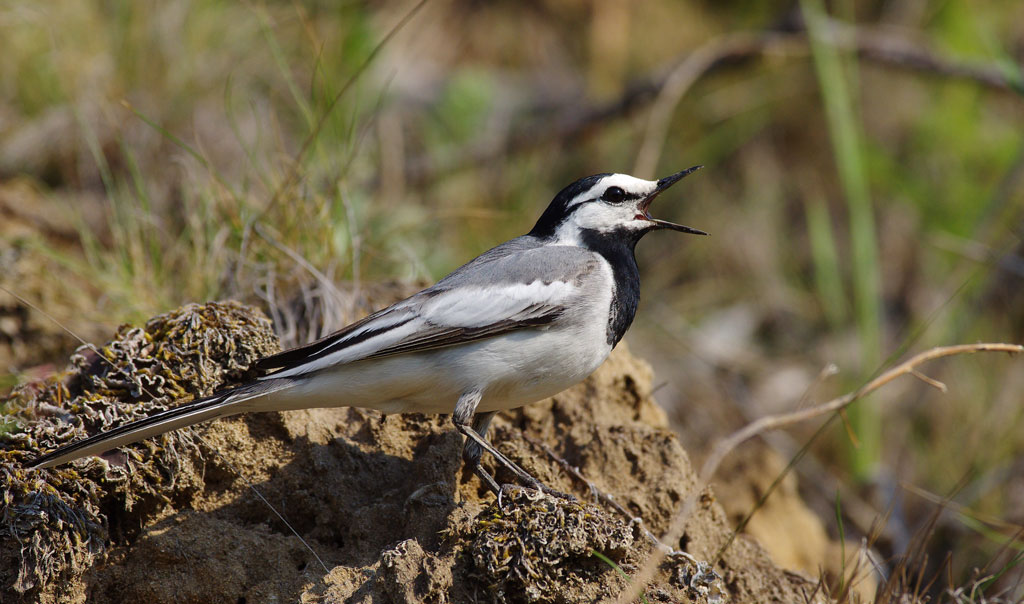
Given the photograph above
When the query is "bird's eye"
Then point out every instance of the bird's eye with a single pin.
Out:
(614, 195)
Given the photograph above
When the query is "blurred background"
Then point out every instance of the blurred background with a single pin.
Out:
(863, 187)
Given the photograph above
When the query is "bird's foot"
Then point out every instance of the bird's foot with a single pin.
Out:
(543, 488)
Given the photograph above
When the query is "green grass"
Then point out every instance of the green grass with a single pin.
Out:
(617, 569)
(827, 268)
(836, 78)
(158, 252)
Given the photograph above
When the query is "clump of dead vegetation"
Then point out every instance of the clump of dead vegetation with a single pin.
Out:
(55, 522)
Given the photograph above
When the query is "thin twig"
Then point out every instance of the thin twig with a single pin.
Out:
(252, 487)
(773, 422)
(681, 78)
(930, 381)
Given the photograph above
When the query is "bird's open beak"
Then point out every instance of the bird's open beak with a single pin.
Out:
(663, 184)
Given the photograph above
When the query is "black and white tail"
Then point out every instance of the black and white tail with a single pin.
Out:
(221, 404)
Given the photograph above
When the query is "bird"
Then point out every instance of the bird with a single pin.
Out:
(521, 322)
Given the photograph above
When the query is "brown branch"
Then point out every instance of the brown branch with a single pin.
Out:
(578, 120)
(773, 422)
(881, 45)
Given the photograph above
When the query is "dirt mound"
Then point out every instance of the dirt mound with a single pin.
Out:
(381, 500)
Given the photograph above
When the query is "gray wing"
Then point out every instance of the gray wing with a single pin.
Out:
(515, 286)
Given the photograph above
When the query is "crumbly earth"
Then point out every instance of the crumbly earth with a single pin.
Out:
(381, 500)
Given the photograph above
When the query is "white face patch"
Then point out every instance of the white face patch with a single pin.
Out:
(593, 210)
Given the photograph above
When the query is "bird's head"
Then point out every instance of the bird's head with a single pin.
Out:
(613, 204)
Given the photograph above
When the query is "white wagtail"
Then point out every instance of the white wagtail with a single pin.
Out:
(519, 323)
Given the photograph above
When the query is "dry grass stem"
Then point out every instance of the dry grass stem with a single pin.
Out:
(931, 382)
(1013, 531)
(772, 422)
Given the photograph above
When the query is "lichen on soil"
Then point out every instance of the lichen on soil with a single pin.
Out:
(382, 500)
(53, 522)
(530, 545)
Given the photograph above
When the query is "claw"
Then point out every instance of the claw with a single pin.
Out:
(501, 492)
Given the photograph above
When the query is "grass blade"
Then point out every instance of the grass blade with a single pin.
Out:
(847, 149)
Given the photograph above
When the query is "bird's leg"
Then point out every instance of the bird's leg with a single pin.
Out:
(472, 452)
(476, 444)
